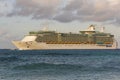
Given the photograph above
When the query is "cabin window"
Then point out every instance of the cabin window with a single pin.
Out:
(27, 46)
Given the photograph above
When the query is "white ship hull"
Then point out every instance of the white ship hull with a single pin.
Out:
(33, 45)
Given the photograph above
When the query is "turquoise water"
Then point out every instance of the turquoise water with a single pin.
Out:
(60, 65)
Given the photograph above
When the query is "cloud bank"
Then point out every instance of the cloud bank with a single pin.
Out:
(64, 10)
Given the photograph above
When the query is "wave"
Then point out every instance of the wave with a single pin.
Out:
(47, 66)
(66, 67)
(9, 59)
(61, 52)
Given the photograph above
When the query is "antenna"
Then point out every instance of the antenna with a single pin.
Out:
(91, 28)
(45, 26)
(102, 29)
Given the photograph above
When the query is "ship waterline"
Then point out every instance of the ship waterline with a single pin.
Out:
(87, 39)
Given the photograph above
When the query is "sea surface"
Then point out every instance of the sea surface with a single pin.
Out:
(60, 65)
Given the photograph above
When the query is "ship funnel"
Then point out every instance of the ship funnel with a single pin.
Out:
(45, 29)
(91, 28)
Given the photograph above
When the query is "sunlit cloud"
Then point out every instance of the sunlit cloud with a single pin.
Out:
(114, 2)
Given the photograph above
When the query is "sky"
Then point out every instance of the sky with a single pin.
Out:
(18, 17)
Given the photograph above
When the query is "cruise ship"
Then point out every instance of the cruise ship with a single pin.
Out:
(87, 39)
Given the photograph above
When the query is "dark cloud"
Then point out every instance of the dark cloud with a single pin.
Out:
(87, 11)
(66, 16)
(81, 10)
(34, 9)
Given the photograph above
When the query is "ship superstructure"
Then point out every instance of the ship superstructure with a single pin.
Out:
(87, 39)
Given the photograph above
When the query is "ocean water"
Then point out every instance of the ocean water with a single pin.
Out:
(60, 65)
